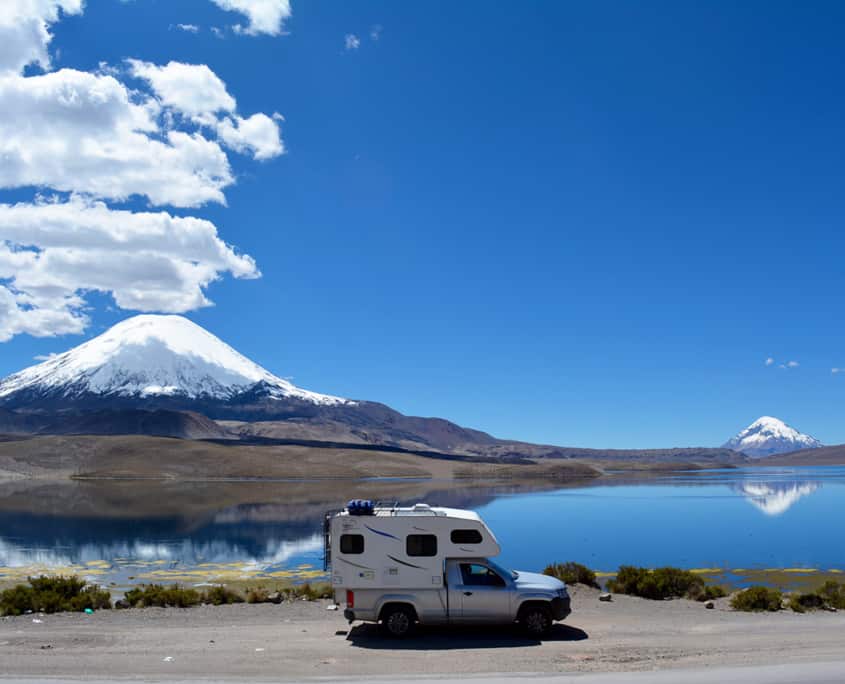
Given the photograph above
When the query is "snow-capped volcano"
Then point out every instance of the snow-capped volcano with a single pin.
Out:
(767, 436)
(151, 356)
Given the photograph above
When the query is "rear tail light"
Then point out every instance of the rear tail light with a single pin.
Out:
(350, 598)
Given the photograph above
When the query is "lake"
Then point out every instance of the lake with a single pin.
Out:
(129, 532)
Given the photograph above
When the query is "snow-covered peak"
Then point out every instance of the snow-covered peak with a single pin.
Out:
(767, 436)
(152, 355)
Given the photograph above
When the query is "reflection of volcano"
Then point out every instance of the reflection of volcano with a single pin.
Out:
(774, 498)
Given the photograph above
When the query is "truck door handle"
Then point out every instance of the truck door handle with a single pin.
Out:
(467, 593)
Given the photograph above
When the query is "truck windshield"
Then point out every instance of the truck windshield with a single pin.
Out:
(504, 573)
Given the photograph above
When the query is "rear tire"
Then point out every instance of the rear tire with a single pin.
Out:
(536, 620)
(397, 622)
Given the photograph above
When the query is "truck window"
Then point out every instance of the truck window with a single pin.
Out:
(352, 543)
(421, 545)
(475, 575)
(465, 537)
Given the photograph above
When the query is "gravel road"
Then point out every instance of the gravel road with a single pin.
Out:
(303, 640)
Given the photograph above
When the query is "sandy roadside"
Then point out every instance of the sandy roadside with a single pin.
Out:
(306, 640)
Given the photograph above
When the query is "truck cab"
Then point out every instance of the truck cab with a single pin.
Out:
(426, 565)
(481, 591)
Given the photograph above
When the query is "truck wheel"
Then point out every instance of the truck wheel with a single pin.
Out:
(536, 620)
(397, 621)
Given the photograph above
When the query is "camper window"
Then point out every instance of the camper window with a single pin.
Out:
(352, 543)
(466, 537)
(421, 545)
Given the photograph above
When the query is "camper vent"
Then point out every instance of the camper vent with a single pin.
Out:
(360, 507)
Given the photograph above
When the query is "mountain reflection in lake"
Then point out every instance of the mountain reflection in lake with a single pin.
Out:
(129, 532)
(775, 498)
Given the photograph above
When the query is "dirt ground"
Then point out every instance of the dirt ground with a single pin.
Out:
(296, 640)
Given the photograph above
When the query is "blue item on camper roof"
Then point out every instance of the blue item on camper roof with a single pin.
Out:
(360, 507)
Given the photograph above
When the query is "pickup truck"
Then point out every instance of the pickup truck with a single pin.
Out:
(473, 591)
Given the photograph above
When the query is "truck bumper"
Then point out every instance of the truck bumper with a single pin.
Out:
(561, 607)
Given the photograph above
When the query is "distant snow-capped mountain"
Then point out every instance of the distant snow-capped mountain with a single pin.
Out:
(154, 356)
(767, 436)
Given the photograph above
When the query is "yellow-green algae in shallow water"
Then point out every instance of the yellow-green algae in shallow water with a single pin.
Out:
(101, 571)
(786, 579)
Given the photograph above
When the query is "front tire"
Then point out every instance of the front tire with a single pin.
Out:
(536, 620)
(397, 622)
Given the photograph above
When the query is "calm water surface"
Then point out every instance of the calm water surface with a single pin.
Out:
(136, 532)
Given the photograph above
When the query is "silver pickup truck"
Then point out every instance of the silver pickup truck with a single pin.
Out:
(476, 591)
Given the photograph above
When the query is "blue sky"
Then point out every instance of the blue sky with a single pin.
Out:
(587, 224)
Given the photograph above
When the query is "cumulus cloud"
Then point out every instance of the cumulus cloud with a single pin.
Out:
(192, 89)
(188, 28)
(94, 139)
(265, 16)
(197, 92)
(76, 131)
(351, 41)
(770, 361)
(24, 31)
(52, 253)
(259, 134)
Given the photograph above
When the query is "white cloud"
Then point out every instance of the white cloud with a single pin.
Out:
(24, 32)
(265, 16)
(51, 254)
(770, 361)
(792, 364)
(45, 357)
(193, 89)
(188, 28)
(76, 131)
(351, 41)
(836, 371)
(258, 134)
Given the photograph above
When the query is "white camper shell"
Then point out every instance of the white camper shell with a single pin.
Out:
(400, 566)
(404, 547)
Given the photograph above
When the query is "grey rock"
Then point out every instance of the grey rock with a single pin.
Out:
(709, 605)
(122, 604)
(275, 597)
(605, 597)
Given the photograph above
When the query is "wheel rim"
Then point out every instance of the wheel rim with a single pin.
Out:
(398, 623)
(536, 622)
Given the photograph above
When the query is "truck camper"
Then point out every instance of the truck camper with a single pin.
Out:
(402, 566)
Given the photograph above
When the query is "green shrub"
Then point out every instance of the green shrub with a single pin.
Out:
(757, 598)
(220, 595)
(53, 595)
(710, 592)
(572, 573)
(801, 603)
(257, 595)
(830, 595)
(834, 594)
(148, 595)
(661, 583)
